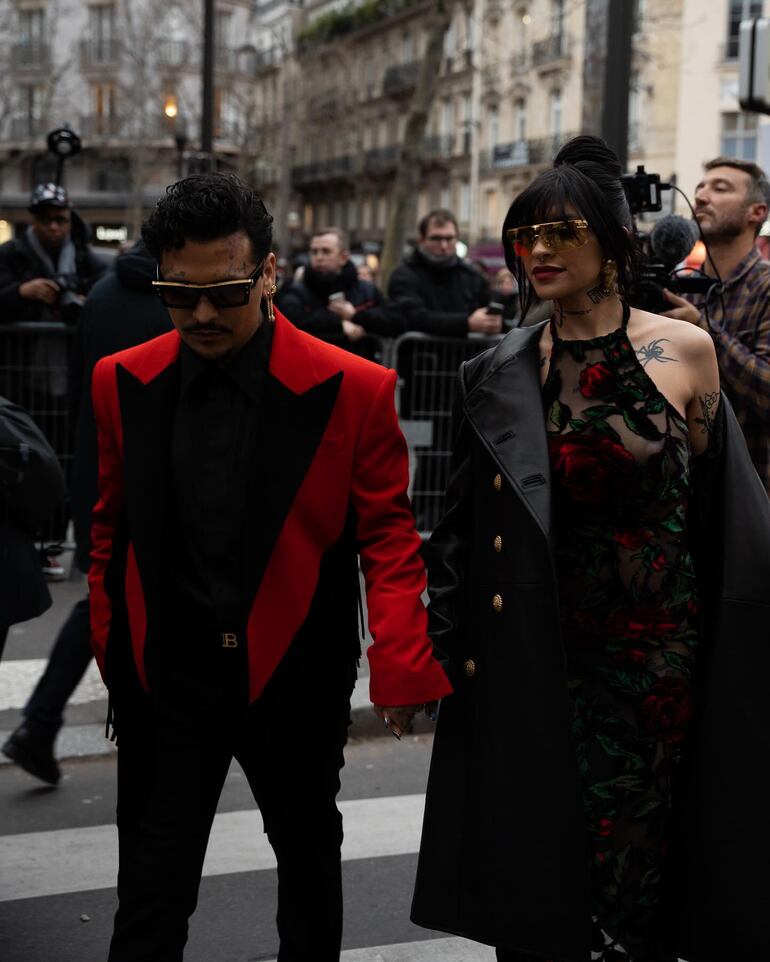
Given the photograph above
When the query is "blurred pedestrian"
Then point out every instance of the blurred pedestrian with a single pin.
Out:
(598, 591)
(122, 310)
(330, 298)
(731, 205)
(243, 465)
(31, 487)
(435, 291)
(504, 297)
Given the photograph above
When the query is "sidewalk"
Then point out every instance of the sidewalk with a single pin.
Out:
(82, 736)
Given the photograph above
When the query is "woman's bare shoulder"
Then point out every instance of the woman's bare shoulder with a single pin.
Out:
(656, 334)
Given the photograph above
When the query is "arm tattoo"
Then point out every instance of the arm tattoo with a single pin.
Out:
(654, 351)
(708, 404)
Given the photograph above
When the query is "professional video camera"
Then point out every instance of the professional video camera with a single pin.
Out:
(668, 243)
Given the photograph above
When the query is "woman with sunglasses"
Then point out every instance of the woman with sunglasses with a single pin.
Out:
(579, 805)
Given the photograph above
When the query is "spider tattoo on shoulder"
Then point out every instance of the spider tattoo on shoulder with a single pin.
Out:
(654, 351)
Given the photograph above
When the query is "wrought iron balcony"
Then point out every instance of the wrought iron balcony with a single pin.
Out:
(175, 54)
(380, 161)
(31, 55)
(550, 52)
(99, 53)
(400, 79)
(515, 153)
(438, 147)
(337, 168)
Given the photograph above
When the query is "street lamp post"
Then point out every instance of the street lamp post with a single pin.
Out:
(207, 81)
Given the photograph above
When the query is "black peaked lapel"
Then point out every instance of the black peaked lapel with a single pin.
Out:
(290, 429)
(147, 414)
(506, 411)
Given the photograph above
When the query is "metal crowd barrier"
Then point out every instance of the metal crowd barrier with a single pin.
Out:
(370, 346)
(427, 371)
(34, 373)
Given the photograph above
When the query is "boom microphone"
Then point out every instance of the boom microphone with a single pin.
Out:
(672, 239)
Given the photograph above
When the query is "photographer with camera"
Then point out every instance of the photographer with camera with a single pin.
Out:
(731, 204)
(46, 273)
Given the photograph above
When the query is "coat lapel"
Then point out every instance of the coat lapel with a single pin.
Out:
(147, 412)
(506, 411)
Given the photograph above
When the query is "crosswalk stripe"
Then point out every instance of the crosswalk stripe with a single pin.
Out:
(62, 861)
(428, 950)
(18, 680)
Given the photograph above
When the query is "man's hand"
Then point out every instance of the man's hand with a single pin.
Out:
(684, 310)
(344, 309)
(40, 289)
(353, 332)
(482, 322)
(398, 718)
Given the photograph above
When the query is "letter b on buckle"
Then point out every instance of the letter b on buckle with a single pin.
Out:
(229, 640)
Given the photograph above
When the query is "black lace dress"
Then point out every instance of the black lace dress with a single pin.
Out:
(620, 462)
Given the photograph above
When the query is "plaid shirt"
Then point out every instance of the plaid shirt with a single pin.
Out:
(739, 322)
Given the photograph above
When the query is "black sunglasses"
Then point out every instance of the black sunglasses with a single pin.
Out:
(223, 294)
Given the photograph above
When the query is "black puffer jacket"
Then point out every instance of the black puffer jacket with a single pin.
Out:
(122, 310)
(305, 303)
(436, 298)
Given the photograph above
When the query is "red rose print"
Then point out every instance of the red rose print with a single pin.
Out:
(633, 657)
(589, 468)
(596, 380)
(644, 620)
(606, 827)
(659, 562)
(667, 710)
(630, 540)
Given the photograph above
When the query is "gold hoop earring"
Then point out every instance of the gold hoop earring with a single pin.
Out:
(269, 295)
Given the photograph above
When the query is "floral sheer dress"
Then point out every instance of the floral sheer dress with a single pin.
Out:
(620, 461)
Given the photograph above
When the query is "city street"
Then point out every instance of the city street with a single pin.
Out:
(58, 847)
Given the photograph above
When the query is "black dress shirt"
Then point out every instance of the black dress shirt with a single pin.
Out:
(213, 467)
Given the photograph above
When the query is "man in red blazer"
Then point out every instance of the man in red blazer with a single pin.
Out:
(244, 468)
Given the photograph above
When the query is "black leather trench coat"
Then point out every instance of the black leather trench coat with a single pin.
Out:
(504, 857)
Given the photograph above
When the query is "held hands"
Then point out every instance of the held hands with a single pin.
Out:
(482, 322)
(398, 718)
(684, 310)
(40, 289)
(353, 332)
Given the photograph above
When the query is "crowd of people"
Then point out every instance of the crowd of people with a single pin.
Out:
(598, 580)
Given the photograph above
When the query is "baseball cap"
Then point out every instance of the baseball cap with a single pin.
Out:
(48, 195)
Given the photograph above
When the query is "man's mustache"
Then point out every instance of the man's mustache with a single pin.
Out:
(205, 329)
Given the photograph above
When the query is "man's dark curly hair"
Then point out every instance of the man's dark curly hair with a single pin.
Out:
(205, 207)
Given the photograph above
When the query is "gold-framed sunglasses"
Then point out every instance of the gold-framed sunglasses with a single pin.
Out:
(555, 235)
(223, 294)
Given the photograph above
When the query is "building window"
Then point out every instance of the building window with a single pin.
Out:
(222, 25)
(447, 121)
(30, 110)
(739, 135)
(465, 202)
(520, 119)
(470, 31)
(366, 213)
(382, 211)
(738, 10)
(635, 113)
(467, 123)
(450, 40)
(445, 197)
(32, 26)
(490, 213)
(493, 127)
(555, 112)
(407, 48)
(104, 110)
(557, 23)
(638, 15)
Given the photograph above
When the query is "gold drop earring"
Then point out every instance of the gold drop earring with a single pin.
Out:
(606, 286)
(269, 295)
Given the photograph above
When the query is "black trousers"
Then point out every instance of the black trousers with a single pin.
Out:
(174, 750)
(67, 663)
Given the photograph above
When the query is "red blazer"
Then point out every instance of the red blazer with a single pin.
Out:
(347, 459)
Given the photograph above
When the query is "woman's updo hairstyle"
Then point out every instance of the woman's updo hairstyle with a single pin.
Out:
(586, 178)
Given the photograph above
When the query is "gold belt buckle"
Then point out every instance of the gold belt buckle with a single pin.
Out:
(229, 640)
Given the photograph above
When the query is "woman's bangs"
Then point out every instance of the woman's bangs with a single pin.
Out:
(543, 201)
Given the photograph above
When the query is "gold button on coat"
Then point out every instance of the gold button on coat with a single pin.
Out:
(497, 603)
(498, 482)
(498, 543)
(469, 667)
